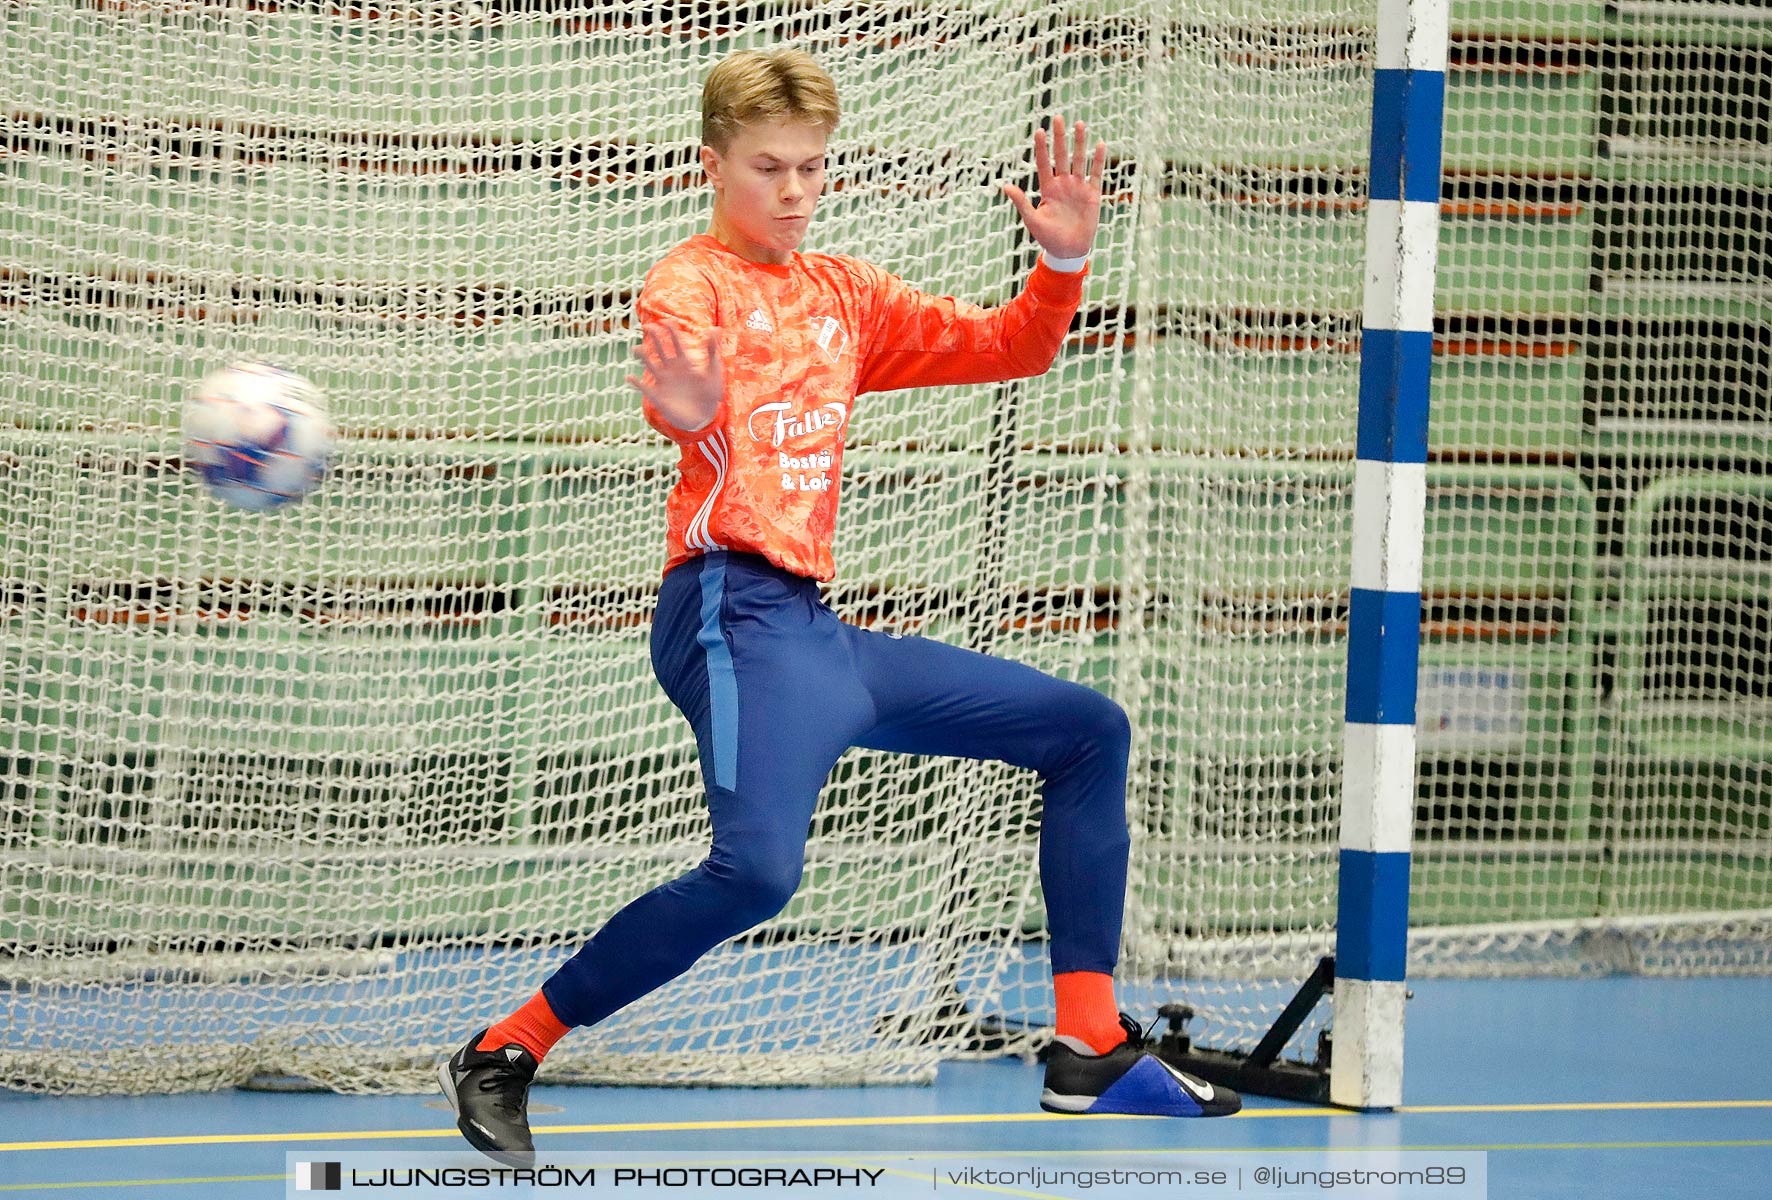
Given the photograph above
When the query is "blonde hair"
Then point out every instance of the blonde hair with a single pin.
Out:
(750, 86)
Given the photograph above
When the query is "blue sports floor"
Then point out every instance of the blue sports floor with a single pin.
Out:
(1615, 1088)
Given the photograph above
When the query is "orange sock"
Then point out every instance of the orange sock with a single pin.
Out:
(1086, 1009)
(533, 1027)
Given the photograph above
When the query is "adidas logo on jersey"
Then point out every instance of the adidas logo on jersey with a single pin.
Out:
(759, 320)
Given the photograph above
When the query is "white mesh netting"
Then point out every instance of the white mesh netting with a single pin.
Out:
(321, 791)
(1600, 799)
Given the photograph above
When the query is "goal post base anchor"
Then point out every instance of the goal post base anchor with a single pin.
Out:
(1260, 1072)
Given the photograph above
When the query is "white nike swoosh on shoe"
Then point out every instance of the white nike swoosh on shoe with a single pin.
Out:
(1199, 1089)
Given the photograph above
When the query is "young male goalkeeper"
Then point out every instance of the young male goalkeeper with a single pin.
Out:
(753, 358)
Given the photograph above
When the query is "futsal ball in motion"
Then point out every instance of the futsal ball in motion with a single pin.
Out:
(257, 435)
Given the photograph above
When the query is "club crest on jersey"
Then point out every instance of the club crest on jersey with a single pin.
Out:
(830, 335)
(784, 423)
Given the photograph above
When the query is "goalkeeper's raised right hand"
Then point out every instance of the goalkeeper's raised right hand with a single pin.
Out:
(682, 380)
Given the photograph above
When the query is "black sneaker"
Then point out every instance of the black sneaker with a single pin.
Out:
(489, 1091)
(1129, 1079)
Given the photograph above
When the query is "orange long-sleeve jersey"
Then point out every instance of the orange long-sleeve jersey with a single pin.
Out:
(799, 342)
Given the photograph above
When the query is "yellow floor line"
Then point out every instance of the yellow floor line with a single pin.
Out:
(358, 1135)
(1579, 1106)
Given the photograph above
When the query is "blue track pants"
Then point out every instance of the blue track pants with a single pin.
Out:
(777, 687)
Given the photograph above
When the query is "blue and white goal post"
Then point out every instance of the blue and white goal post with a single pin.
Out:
(1390, 492)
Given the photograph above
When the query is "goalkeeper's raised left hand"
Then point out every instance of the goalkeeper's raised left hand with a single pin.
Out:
(1069, 208)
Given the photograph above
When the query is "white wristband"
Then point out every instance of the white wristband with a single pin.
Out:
(1065, 266)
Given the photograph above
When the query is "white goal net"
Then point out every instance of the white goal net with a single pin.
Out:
(317, 793)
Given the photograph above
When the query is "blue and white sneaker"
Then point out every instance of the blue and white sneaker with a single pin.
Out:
(1128, 1079)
